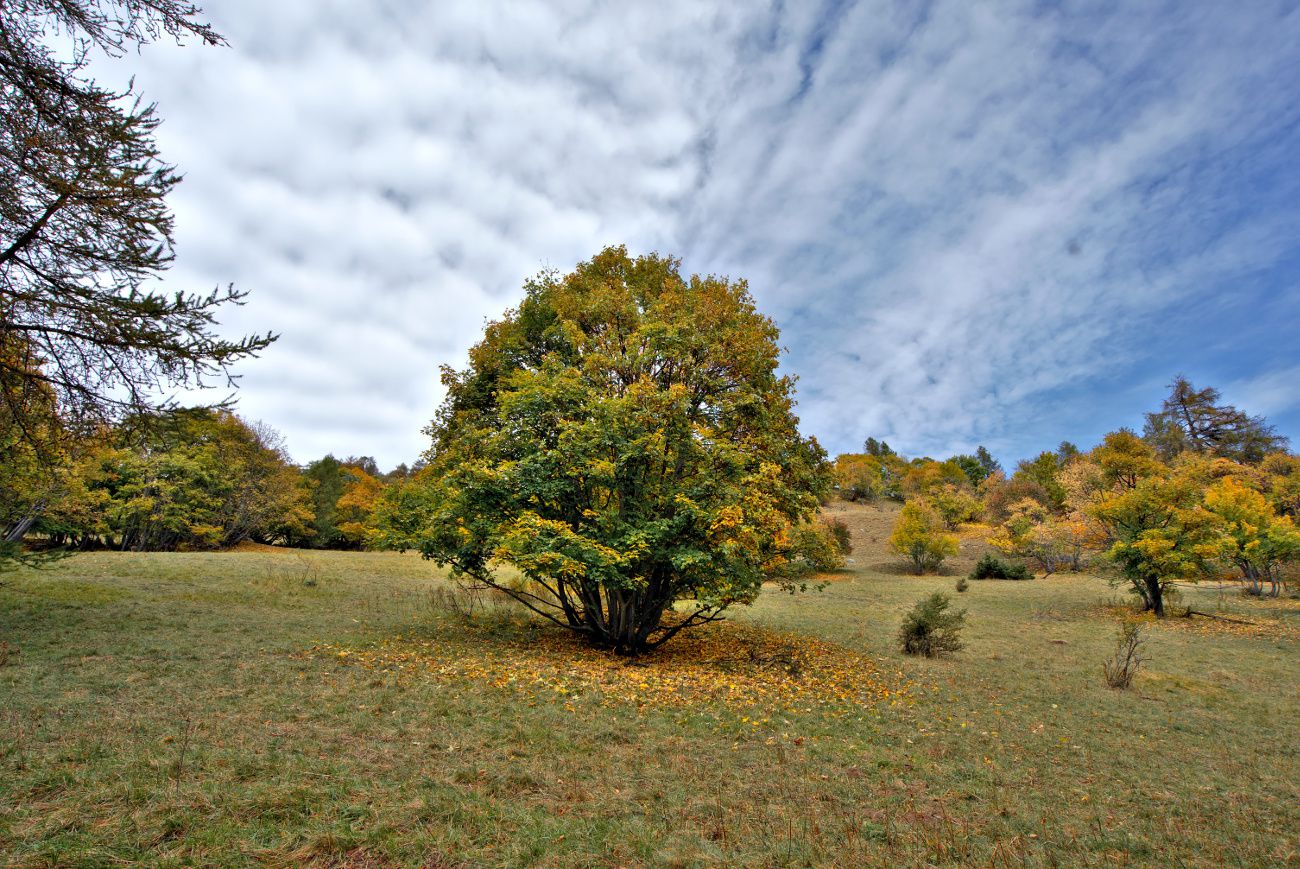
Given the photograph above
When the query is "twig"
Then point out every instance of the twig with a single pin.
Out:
(1191, 612)
(185, 745)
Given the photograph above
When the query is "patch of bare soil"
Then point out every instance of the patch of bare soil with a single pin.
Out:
(250, 546)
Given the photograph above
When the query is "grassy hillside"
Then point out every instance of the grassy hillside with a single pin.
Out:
(280, 707)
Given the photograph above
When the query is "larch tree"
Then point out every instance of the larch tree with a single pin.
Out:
(1194, 420)
(624, 441)
(85, 231)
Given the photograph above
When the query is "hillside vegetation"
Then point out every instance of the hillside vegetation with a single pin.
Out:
(337, 708)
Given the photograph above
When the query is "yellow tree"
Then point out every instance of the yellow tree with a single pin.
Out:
(624, 441)
(1160, 533)
(919, 534)
(361, 492)
(923, 477)
(859, 477)
(1281, 483)
(955, 504)
(1125, 459)
(1254, 538)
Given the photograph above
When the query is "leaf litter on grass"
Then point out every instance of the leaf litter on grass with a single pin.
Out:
(743, 667)
(1264, 623)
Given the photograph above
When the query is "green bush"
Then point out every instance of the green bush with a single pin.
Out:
(962, 584)
(929, 629)
(992, 567)
(814, 548)
(840, 532)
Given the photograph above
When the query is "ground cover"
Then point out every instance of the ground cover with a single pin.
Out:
(277, 707)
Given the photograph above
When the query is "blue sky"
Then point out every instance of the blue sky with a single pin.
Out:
(996, 223)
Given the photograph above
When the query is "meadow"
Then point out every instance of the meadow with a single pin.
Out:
(283, 707)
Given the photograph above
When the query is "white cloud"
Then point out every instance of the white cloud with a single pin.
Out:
(1271, 393)
(953, 214)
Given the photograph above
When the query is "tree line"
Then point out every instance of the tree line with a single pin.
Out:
(1205, 490)
(180, 479)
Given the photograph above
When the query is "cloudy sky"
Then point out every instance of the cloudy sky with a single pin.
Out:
(998, 223)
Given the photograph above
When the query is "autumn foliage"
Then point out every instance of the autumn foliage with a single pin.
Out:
(623, 442)
(921, 536)
(1207, 490)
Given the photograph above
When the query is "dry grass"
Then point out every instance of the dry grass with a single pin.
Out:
(197, 710)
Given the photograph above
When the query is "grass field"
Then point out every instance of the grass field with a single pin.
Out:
(280, 708)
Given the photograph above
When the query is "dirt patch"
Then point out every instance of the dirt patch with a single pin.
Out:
(250, 546)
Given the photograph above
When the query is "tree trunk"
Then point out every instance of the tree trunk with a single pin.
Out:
(1274, 582)
(622, 620)
(1156, 597)
(1253, 584)
(19, 530)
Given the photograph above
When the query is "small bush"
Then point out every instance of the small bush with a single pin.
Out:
(992, 567)
(840, 532)
(929, 629)
(962, 584)
(1128, 657)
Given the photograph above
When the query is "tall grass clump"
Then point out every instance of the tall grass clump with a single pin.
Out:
(1128, 657)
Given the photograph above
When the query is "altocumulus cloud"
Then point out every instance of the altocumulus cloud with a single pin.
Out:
(1000, 222)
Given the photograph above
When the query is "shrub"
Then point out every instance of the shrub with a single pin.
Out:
(814, 548)
(929, 629)
(962, 584)
(992, 567)
(840, 532)
(1128, 657)
(1053, 541)
(920, 536)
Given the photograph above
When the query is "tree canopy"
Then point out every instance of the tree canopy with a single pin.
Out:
(85, 230)
(623, 441)
(1192, 419)
(196, 479)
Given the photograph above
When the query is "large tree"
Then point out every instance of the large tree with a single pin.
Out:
(85, 230)
(623, 440)
(1192, 419)
(1160, 532)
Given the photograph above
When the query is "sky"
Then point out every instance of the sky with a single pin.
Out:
(974, 223)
